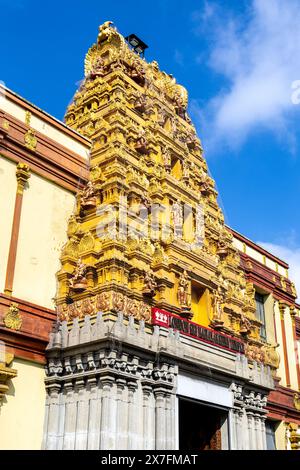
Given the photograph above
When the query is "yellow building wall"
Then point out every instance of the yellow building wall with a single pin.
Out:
(45, 212)
(8, 187)
(201, 306)
(291, 349)
(22, 412)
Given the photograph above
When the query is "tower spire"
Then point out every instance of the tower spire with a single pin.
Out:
(148, 230)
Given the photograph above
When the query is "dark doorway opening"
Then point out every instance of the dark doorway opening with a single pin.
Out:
(200, 426)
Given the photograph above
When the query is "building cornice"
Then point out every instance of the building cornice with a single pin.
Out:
(28, 338)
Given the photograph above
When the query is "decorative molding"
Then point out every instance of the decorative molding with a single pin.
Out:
(49, 159)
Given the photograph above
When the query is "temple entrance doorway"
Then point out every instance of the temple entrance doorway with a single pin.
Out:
(200, 426)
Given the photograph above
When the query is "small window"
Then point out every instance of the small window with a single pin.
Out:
(270, 434)
(260, 314)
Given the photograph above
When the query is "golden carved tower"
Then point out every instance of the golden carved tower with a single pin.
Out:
(148, 230)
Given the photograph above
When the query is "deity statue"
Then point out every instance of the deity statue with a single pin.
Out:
(180, 107)
(88, 199)
(78, 282)
(200, 225)
(218, 300)
(99, 68)
(141, 143)
(191, 141)
(245, 325)
(222, 250)
(183, 290)
(185, 171)
(161, 117)
(150, 284)
(177, 214)
(166, 155)
(141, 103)
(137, 72)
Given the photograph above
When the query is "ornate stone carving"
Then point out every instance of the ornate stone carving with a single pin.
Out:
(30, 139)
(183, 294)
(88, 197)
(12, 319)
(150, 284)
(78, 282)
(141, 145)
(22, 175)
(245, 325)
(272, 357)
(218, 301)
(297, 401)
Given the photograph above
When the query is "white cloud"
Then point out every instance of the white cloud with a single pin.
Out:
(258, 55)
(290, 256)
(178, 57)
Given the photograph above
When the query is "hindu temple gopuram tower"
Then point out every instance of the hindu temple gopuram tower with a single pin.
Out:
(157, 344)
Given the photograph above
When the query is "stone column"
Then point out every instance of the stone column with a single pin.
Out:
(148, 431)
(170, 422)
(241, 429)
(121, 426)
(61, 422)
(108, 418)
(53, 417)
(251, 431)
(233, 429)
(82, 415)
(93, 442)
(160, 419)
(258, 434)
(132, 416)
(263, 433)
(70, 417)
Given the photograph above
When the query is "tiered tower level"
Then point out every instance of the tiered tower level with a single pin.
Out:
(148, 230)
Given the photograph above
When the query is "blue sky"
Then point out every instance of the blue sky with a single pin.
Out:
(238, 60)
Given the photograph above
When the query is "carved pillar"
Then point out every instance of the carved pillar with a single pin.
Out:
(233, 429)
(263, 432)
(170, 422)
(148, 429)
(243, 434)
(94, 415)
(132, 416)
(108, 418)
(22, 175)
(121, 434)
(251, 430)
(70, 417)
(160, 419)
(61, 421)
(53, 416)
(257, 421)
(82, 415)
